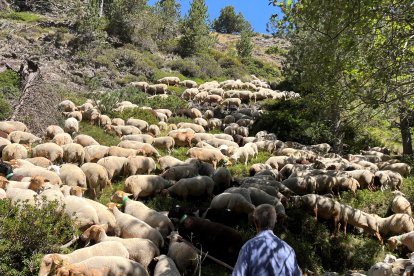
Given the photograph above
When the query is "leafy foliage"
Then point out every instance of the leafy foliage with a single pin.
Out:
(244, 45)
(9, 90)
(168, 12)
(229, 22)
(352, 56)
(195, 31)
(28, 232)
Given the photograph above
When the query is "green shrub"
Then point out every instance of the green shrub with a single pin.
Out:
(5, 108)
(29, 232)
(274, 50)
(128, 79)
(9, 90)
(291, 121)
(317, 250)
(262, 69)
(176, 90)
(76, 97)
(21, 16)
(137, 113)
(106, 194)
(9, 78)
(172, 103)
(186, 66)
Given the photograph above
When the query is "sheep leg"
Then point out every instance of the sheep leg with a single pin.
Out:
(315, 211)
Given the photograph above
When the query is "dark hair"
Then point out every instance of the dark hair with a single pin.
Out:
(264, 217)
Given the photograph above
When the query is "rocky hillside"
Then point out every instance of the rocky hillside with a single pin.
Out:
(41, 49)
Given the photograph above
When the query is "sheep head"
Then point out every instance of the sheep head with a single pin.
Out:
(94, 232)
(394, 242)
(77, 191)
(3, 182)
(49, 263)
(112, 205)
(37, 183)
(118, 196)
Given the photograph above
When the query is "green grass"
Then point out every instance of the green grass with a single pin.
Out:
(105, 197)
(99, 134)
(239, 169)
(215, 131)
(176, 90)
(21, 16)
(180, 153)
(76, 97)
(179, 119)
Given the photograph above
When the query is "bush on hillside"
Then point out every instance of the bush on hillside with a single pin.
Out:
(5, 109)
(294, 120)
(29, 232)
(172, 103)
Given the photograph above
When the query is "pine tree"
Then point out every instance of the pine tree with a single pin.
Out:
(168, 12)
(244, 45)
(195, 31)
(229, 22)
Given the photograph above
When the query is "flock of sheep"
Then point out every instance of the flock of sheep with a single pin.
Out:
(128, 236)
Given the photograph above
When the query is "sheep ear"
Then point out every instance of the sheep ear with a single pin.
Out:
(128, 194)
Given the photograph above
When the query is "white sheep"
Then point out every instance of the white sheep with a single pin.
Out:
(81, 211)
(400, 204)
(108, 265)
(121, 152)
(406, 239)
(167, 162)
(14, 151)
(52, 130)
(114, 165)
(95, 152)
(140, 250)
(96, 178)
(166, 142)
(21, 137)
(40, 162)
(85, 140)
(72, 175)
(67, 106)
(112, 248)
(51, 151)
(143, 138)
(71, 126)
(145, 185)
(141, 211)
(131, 227)
(165, 267)
(62, 139)
(139, 165)
(73, 153)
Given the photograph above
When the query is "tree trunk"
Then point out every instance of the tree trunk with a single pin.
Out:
(101, 8)
(405, 131)
(336, 129)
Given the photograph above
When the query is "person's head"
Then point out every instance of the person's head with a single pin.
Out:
(264, 217)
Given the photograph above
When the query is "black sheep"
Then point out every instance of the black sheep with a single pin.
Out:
(220, 241)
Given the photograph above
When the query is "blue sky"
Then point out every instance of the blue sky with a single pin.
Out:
(257, 12)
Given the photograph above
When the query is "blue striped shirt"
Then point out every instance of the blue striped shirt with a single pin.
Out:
(266, 255)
